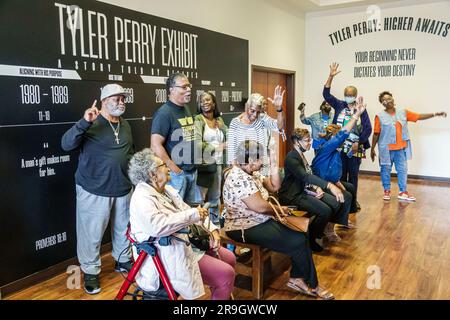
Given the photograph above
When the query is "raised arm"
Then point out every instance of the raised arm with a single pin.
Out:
(332, 100)
(303, 118)
(277, 101)
(273, 182)
(333, 72)
(73, 137)
(360, 108)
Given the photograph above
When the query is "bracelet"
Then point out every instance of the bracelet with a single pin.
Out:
(281, 110)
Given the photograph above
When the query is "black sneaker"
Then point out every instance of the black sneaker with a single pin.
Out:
(123, 266)
(91, 283)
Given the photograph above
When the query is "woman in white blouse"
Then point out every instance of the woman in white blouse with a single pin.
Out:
(249, 218)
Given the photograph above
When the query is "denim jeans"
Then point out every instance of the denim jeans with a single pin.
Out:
(186, 185)
(398, 157)
(350, 170)
(212, 195)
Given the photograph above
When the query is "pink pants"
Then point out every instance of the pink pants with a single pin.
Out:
(218, 274)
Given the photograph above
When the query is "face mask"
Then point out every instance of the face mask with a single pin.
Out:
(349, 99)
(326, 109)
(387, 104)
(114, 109)
(299, 145)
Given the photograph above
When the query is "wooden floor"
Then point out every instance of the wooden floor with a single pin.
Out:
(408, 242)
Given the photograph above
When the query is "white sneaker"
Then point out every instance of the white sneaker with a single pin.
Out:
(405, 196)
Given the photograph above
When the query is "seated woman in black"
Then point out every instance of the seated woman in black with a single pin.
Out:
(322, 199)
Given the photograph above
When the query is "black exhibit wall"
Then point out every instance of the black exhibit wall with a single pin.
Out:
(55, 56)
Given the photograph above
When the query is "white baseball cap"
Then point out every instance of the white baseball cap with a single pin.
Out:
(112, 89)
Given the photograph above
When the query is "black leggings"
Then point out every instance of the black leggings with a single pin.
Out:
(276, 237)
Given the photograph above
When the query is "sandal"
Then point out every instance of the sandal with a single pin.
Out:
(323, 293)
(299, 285)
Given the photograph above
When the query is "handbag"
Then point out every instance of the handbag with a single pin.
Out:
(199, 237)
(295, 223)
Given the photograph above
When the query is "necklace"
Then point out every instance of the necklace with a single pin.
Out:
(116, 131)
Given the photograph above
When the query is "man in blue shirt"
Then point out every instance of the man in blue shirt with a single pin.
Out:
(318, 121)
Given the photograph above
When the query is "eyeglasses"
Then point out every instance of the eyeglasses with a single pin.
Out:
(185, 87)
(162, 164)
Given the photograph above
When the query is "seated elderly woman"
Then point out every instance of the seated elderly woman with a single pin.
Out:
(249, 218)
(320, 198)
(156, 210)
(327, 163)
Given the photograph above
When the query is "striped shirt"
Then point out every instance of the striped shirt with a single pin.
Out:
(256, 131)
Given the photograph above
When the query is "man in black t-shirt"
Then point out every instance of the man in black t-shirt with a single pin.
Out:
(173, 137)
(102, 185)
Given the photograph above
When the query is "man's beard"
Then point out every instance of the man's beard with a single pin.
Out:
(114, 109)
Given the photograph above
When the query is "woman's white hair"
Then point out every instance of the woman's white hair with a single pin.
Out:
(255, 99)
(140, 166)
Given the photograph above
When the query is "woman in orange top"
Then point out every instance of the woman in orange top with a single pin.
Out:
(394, 145)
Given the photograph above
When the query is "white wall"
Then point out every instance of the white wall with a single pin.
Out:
(276, 36)
(427, 91)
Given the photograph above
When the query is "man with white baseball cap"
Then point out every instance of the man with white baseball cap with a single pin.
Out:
(103, 188)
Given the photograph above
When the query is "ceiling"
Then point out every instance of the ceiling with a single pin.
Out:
(300, 7)
(319, 5)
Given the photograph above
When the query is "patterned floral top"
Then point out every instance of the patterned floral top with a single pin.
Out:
(239, 185)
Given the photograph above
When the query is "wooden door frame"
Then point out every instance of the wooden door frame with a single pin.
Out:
(290, 98)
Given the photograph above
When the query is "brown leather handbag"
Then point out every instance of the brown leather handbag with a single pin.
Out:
(295, 223)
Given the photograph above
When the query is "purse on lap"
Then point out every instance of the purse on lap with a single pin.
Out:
(295, 223)
(199, 237)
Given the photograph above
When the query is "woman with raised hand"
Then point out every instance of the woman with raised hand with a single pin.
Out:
(249, 217)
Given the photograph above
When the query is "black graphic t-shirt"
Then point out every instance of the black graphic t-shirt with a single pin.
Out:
(176, 124)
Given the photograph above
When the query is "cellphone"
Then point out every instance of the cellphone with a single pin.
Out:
(310, 190)
(311, 193)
